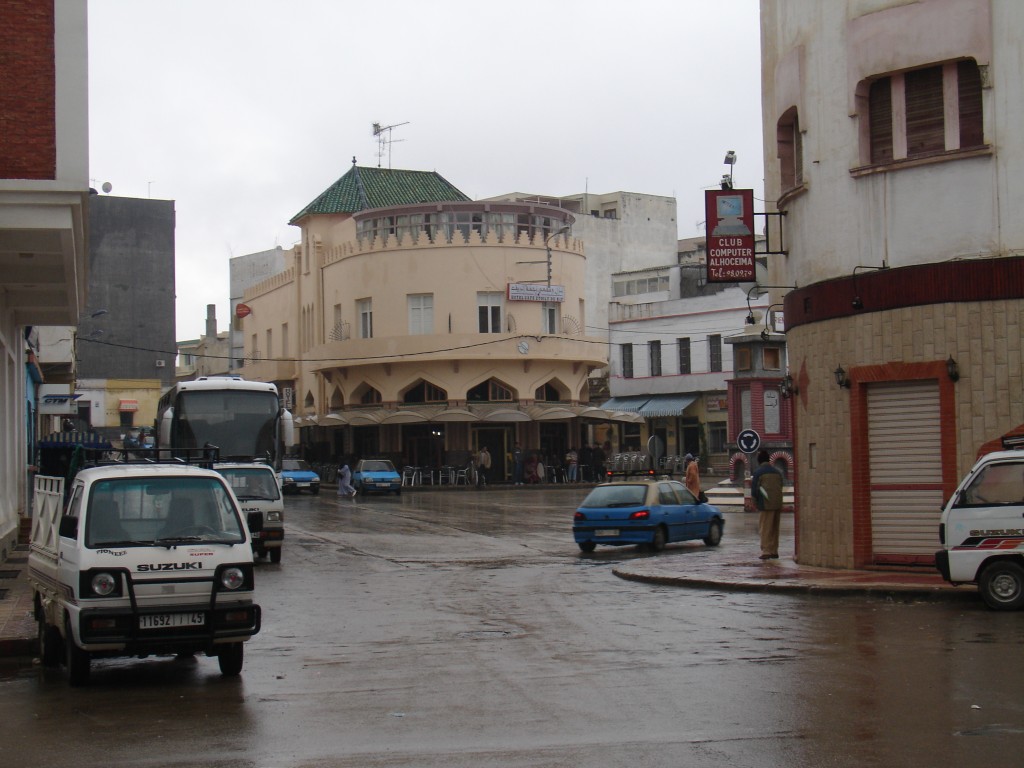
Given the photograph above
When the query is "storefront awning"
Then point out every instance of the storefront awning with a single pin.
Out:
(71, 439)
(666, 405)
(631, 403)
(128, 405)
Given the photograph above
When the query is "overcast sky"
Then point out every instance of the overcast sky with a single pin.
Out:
(243, 111)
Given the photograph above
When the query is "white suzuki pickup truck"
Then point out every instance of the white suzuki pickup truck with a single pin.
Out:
(982, 530)
(142, 559)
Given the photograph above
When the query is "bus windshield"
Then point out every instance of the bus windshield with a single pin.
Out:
(242, 424)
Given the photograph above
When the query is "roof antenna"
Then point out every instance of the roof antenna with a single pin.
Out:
(384, 140)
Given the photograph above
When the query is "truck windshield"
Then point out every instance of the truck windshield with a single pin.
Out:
(241, 423)
(160, 511)
(251, 483)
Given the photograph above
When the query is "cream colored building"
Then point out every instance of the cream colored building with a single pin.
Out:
(414, 323)
(892, 143)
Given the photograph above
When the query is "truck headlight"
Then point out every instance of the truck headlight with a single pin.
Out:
(103, 584)
(232, 578)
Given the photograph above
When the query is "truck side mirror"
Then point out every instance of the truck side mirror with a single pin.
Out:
(68, 528)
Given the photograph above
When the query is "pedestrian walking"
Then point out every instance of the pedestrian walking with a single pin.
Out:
(483, 467)
(345, 481)
(766, 488)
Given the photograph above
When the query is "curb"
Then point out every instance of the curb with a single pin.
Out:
(796, 586)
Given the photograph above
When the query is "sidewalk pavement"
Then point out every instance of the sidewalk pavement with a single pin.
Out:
(736, 565)
(17, 625)
(733, 565)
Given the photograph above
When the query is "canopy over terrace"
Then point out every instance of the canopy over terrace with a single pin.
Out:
(470, 413)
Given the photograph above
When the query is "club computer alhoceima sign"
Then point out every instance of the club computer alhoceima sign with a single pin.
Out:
(729, 217)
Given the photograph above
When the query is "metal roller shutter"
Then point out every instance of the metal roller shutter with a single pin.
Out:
(906, 470)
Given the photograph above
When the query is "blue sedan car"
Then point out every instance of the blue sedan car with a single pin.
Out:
(377, 475)
(645, 512)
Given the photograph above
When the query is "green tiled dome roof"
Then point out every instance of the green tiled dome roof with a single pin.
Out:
(364, 188)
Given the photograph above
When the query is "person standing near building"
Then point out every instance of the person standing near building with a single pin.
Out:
(483, 467)
(517, 465)
(766, 488)
(572, 463)
(692, 478)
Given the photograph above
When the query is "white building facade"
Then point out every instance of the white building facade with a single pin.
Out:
(892, 146)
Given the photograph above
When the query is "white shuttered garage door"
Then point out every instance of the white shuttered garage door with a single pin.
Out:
(904, 444)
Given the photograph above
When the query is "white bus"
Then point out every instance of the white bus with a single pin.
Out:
(244, 419)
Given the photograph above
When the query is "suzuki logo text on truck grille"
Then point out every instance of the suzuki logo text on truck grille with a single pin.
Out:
(197, 566)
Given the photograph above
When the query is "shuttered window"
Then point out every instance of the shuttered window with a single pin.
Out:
(969, 89)
(924, 131)
(790, 149)
(880, 107)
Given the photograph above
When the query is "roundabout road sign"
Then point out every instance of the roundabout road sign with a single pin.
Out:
(748, 441)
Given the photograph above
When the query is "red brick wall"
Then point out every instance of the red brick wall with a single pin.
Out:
(28, 132)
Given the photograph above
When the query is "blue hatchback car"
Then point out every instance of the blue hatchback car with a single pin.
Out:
(645, 512)
(378, 475)
(297, 476)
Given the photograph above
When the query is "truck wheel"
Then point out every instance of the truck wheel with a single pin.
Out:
(49, 644)
(76, 660)
(230, 659)
(275, 555)
(1002, 586)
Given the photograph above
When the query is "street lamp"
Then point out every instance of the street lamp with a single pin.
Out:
(730, 160)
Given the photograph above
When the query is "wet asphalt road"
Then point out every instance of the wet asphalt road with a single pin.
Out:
(465, 629)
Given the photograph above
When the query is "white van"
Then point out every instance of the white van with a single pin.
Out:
(982, 530)
(143, 559)
(258, 490)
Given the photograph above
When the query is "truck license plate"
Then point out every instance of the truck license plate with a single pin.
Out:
(165, 620)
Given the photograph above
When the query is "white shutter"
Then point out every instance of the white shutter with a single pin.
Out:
(904, 445)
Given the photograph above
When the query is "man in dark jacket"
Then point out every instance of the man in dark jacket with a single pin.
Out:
(766, 488)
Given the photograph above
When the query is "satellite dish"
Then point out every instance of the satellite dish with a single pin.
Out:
(107, 186)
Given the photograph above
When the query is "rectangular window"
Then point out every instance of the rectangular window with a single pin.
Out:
(969, 92)
(364, 308)
(654, 352)
(627, 360)
(741, 359)
(938, 109)
(684, 356)
(717, 437)
(772, 358)
(880, 110)
(489, 311)
(926, 131)
(284, 340)
(549, 316)
(715, 353)
(421, 314)
(270, 345)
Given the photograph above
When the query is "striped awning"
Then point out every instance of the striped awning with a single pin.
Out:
(128, 405)
(72, 438)
(666, 405)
